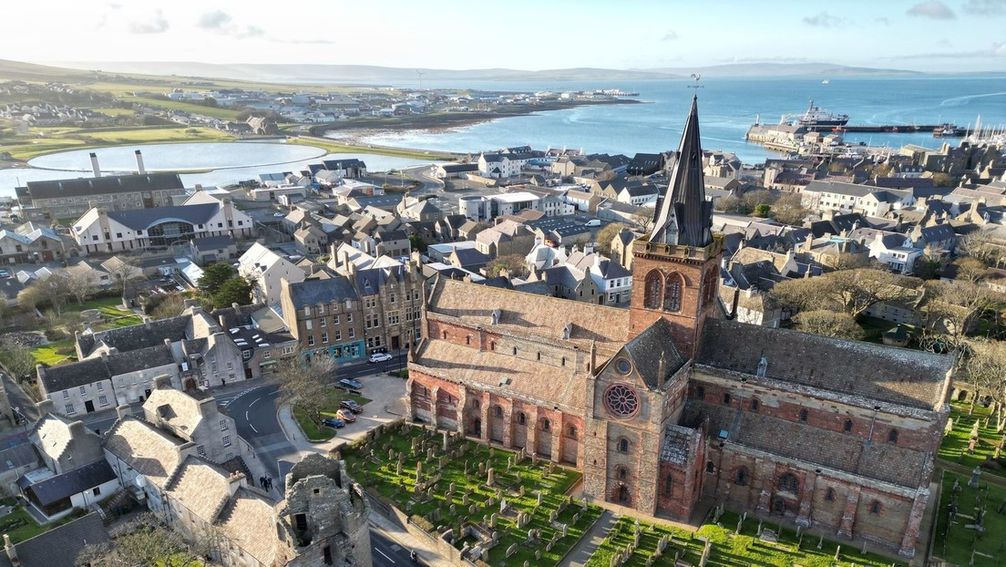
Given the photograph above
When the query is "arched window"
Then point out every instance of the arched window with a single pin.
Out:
(652, 289)
(497, 411)
(492, 345)
(621, 472)
(477, 404)
(788, 483)
(829, 495)
(892, 436)
(668, 485)
(571, 432)
(623, 445)
(803, 415)
(672, 293)
(445, 335)
(755, 404)
(468, 339)
(875, 507)
(741, 476)
(515, 351)
(545, 424)
(847, 426)
(710, 467)
(726, 398)
(521, 418)
(709, 286)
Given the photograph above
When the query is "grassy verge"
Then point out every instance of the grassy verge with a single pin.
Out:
(729, 548)
(336, 146)
(460, 469)
(55, 353)
(956, 542)
(19, 525)
(313, 428)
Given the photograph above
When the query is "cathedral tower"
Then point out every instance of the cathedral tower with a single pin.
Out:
(675, 268)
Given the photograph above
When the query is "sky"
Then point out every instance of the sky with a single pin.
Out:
(926, 35)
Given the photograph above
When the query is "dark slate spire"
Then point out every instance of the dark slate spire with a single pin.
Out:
(684, 216)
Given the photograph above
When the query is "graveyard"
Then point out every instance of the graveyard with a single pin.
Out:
(731, 540)
(971, 438)
(497, 506)
(971, 521)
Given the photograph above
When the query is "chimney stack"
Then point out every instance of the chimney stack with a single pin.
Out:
(139, 163)
(94, 164)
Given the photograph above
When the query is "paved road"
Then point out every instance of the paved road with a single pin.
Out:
(387, 552)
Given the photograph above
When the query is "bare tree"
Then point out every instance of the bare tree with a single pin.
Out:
(142, 541)
(951, 310)
(80, 285)
(829, 324)
(54, 292)
(985, 365)
(970, 269)
(985, 247)
(122, 273)
(18, 360)
(305, 381)
(848, 291)
(606, 236)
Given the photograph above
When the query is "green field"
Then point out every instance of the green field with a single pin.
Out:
(342, 147)
(957, 544)
(191, 108)
(461, 470)
(728, 548)
(44, 141)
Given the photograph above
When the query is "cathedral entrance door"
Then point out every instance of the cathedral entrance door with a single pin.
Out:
(623, 495)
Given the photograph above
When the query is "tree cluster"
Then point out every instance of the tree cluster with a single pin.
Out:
(512, 264)
(220, 286)
(782, 207)
(306, 381)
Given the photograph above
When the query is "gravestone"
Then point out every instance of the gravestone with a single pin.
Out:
(769, 536)
(492, 520)
(490, 477)
(539, 497)
(564, 530)
(976, 476)
(511, 550)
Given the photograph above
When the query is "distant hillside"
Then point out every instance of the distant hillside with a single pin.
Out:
(359, 74)
(782, 70)
(17, 70)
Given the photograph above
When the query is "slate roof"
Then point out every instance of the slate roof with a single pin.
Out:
(213, 242)
(141, 219)
(92, 370)
(202, 487)
(315, 292)
(55, 488)
(674, 446)
(59, 546)
(249, 520)
(135, 337)
(896, 375)
(647, 349)
(100, 185)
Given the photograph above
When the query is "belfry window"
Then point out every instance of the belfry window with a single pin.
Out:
(672, 293)
(652, 289)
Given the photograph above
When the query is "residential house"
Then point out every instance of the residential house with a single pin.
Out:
(504, 239)
(57, 547)
(589, 276)
(210, 249)
(895, 250)
(265, 269)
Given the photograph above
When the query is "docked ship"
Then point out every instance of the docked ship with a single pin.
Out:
(816, 118)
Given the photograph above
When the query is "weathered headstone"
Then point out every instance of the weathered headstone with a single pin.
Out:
(490, 476)
(976, 476)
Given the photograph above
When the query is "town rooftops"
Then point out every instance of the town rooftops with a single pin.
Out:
(152, 452)
(839, 188)
(895, 375)
(135, 337)
(85, 186)
(318, 292)
(141, 219)
(213, 242)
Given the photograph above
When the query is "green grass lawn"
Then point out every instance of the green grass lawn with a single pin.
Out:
(955, 443)
(729, 547)
(19, 525)
(45, 141)
(55, 353)
(956, 544)
(380, 475)
(313, 429)
(335, 146)
(213, 111)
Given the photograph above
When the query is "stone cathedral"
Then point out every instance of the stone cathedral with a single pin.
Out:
(668, 403)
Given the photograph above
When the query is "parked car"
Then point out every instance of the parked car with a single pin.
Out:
(380, 357)
(351, 405)
(350, 383)
(333, 422)
(4, 274)
(346, 415)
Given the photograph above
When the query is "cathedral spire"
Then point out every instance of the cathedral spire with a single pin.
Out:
(684, 216)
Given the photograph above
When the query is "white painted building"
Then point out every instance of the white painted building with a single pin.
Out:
(265, 268)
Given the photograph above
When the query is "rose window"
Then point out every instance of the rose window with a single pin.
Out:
(621, 400)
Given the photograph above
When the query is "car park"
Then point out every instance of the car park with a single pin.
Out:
(351, 405)
(333, 422)
(350, 383)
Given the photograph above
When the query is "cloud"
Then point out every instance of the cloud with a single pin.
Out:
(825, 20)
(932, 9)
(214, 20)
(156, 24)
(250, 31)
(883, 21)
(985, 7)
(671, 35)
